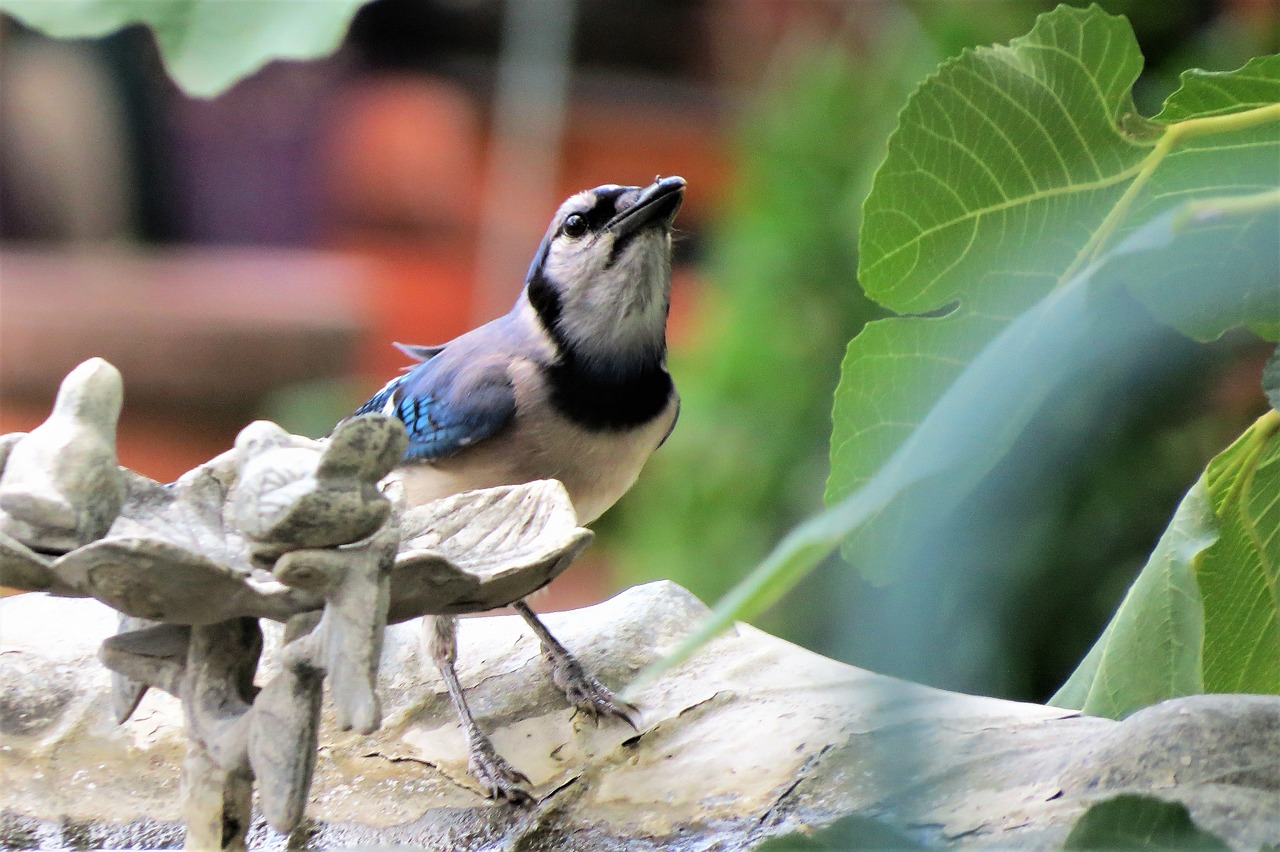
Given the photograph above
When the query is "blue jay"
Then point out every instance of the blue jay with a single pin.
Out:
(572, 385)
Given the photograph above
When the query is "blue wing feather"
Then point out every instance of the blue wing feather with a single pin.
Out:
(446, 407)
(378, 401)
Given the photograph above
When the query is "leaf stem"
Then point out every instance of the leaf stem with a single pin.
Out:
(1208, 125)
(1211, 209)
(1174, 134)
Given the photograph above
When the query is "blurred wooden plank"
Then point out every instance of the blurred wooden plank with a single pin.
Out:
(158, 444)
(205, 327)
(630, 141)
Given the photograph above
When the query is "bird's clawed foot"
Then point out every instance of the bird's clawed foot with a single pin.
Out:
(583, 691)
(499, 779)
(588, 694)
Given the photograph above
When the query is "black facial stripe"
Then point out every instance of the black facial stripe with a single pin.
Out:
(604, 209)
(546, 303)
(619, 244)
(660, 215)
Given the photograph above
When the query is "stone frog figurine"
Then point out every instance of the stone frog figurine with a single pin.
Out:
(288, 497)
(61, 485)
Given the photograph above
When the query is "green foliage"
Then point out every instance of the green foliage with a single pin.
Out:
(1066, 337)
(1026, 203)
(1140, 822)
(1271, 379)
(780, 304)
(207, 45)
(1011, 170)
(1203, 614)
(1163, 613)
(1239, 575)
(1001, 147)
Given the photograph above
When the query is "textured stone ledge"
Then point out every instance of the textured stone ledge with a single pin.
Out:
(752, 738)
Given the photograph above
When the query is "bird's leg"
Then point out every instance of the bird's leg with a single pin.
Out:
(583, 691)
(498, 779)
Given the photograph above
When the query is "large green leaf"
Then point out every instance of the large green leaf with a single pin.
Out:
(1057, 344)
(1152, 648)
(1239, 576)
(1006, 204)
(1195, 294)
(1222, 136)
(1204, 614)
(207, 45)
(1206, 94)
(1003, 165)
(1012, 170)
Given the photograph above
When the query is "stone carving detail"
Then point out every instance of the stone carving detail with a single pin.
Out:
(61, 487)
(280, 527)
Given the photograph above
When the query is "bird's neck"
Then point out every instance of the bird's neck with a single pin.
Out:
(612, 340)
(600, 387)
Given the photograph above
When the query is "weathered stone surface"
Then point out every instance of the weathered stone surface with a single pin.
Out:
(1218, 753)
(286, 497)
(753, 737)
(60, 485)
(280, 528)
(481, 550)
(171, 554)
(23, 568)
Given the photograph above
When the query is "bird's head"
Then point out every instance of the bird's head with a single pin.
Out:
(601, 281)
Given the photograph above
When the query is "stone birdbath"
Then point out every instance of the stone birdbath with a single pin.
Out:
(281, 528)
(750, 739)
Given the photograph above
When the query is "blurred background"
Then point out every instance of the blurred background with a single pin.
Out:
(254, 255)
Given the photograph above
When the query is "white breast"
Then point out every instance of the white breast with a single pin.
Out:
(597, 468)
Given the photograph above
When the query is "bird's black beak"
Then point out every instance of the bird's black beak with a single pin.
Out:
(658, 203)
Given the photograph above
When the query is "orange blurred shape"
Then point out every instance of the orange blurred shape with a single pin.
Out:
(416, 297)
(632, 143)
(155, 445)
(401, 166)
(402, 156)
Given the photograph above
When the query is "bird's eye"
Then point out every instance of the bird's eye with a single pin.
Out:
(575, 225)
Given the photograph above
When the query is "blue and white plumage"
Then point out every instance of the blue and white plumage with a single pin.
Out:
(444, 409)
(572, 385)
